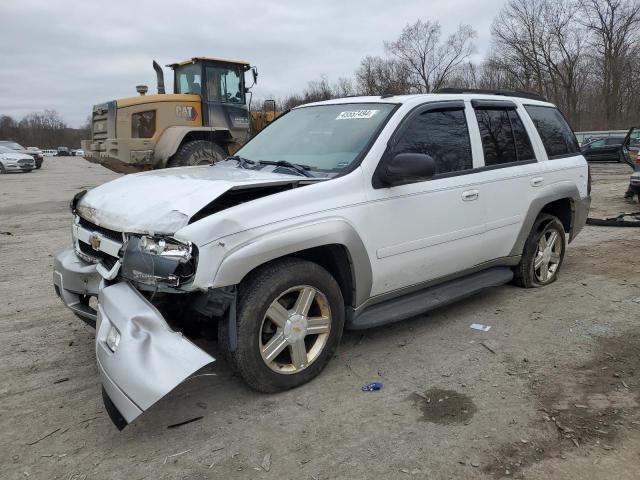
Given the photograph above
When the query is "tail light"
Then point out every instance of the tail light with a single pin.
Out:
(589, 178)
(638, 159)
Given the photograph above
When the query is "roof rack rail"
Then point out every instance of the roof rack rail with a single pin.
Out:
(504, 93)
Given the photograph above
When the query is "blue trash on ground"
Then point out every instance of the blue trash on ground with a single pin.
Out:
(372, 387)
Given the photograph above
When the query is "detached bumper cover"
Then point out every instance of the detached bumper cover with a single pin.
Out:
(74, 280)
(150, 359)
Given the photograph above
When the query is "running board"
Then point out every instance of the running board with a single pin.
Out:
(413, 304)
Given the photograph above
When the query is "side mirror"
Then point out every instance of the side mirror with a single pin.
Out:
(254, 72)
(408, 167)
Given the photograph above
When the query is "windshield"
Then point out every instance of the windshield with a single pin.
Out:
(326, 138)
(12, 145)
(4, 149)
(189, 79)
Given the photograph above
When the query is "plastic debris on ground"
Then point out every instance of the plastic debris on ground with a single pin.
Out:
(372, 387)
(479, 326)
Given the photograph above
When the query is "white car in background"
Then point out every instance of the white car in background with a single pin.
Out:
(78, 153)
(12, 161)
(16, 147)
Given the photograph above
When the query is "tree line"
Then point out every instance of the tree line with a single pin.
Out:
(582, 55)
(42, 129)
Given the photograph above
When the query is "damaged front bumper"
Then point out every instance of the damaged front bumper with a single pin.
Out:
(140, 358)
(75, 282)
(147, 360)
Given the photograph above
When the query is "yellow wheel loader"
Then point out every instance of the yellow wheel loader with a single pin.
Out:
(204, 120)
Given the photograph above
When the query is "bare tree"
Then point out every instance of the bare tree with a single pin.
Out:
(380, 76)
(429, 61)
(517, 35)
(614, 25)
(343, 88)
(580, 54)
(541, 47)
(43, 129)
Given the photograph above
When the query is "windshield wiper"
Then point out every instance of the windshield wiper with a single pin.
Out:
(242, 162)
(301, 169)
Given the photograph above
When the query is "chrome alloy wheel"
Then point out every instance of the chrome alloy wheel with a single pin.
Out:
(295, 329)
(547, 257)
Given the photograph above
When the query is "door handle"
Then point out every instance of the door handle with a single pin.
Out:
(537, 181)
(470, 195)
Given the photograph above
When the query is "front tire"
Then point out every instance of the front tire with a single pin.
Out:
(290, 317)
(543, 253)
(197, 152)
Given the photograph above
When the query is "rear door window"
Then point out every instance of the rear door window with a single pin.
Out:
(556, 135)
(521, 137)
(504, 138)
(442, 134)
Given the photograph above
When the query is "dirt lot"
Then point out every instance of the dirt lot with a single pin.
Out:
(551, 391)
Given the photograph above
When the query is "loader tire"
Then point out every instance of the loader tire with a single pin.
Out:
(197, 152)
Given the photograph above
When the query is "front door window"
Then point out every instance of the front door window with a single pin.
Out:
(224, 85)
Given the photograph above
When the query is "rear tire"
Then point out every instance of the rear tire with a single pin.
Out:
(2, 169)
(543, 253)
(197, 152)
(276, 350)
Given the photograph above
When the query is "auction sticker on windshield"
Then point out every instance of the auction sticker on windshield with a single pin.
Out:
(356, 114)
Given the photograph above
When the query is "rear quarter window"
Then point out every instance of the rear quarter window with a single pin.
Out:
(556, 135)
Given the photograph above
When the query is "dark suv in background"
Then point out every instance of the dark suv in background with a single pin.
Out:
(37, 156)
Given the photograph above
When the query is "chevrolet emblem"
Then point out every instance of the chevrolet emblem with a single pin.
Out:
(94, 240)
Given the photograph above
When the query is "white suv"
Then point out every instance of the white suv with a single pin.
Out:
(350, 213)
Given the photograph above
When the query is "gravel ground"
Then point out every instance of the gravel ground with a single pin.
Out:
(551, 391)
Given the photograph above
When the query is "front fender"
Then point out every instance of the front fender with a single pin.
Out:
(245, 257)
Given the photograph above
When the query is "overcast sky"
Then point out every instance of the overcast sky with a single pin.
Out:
(67, 55)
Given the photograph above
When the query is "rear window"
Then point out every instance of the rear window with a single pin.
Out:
(557, 137)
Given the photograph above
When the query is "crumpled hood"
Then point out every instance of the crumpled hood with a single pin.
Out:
(163, 201)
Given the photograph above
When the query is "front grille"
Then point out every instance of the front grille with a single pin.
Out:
(88, 250)
(111, 234)
(25, 162)
(99, 127)
(107, 260)
(103, 122)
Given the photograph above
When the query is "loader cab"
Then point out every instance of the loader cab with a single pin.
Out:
(221, 86)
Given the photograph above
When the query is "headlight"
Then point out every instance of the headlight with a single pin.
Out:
(113, 338)
(158, 260)
(165, 248)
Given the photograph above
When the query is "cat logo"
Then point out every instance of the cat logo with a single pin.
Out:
(187, 112)
(95, 241)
